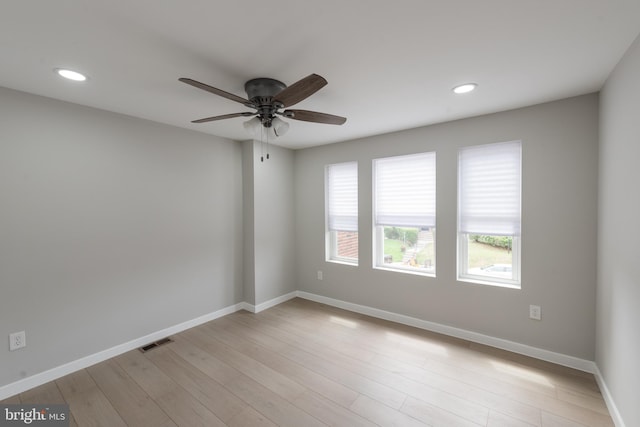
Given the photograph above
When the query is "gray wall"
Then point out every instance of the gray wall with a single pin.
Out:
(274, 224)
(269, 222)
(618, 314)
(248, 216)
(111, 228)
(560, 147)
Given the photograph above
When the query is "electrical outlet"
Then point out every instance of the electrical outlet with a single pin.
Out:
(535, 312)
(17, 340)
(319, 274)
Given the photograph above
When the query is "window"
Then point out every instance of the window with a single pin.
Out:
(341, 201)
(489, 193)
(405, 213)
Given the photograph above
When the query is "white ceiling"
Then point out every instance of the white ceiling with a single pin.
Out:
(390, 64)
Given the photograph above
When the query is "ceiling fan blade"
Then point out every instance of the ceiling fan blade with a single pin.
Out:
(224, 116)
(300, 90)
(314, 116)
(215, 91)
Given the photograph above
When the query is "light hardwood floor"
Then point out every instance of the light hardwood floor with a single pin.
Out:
(305, 364)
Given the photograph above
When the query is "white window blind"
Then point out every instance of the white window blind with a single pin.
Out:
(342, 196)
(489, 186)
(405, 190)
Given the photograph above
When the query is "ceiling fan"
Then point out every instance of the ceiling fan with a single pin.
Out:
(269, 97)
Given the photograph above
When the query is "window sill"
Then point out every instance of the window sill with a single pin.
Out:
(343, 262)
(406, 271)
(484, 281)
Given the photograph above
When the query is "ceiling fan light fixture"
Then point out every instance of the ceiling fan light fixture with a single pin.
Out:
(465, 88)
(71, 75)
(280, 127)
(252, 125)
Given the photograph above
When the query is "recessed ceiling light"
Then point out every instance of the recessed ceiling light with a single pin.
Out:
(465, 88)
(71, 75)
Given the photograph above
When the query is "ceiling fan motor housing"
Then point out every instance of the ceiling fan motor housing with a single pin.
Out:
(260, 92)
(263, 88)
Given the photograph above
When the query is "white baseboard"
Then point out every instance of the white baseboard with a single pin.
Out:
(68, 368)
(608, 399)
(549, 356)
(247, 307)
(560, 359)
(268, 304)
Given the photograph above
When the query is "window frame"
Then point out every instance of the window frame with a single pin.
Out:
(463, 274)
(378, 254)
(331, 236)
(378, 230)
(331, 246)
(462, 250)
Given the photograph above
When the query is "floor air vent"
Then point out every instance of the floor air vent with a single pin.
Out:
(155, 344)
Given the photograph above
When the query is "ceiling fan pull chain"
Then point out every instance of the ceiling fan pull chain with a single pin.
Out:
(261, 144)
